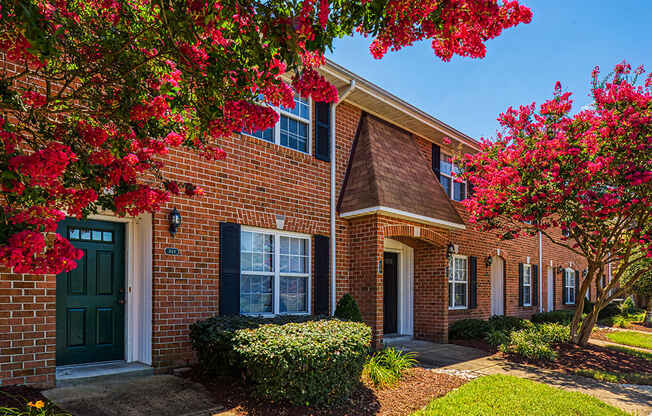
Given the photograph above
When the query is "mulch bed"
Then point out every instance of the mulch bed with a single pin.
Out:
(591, 357)
(415, 390)
(18, 396)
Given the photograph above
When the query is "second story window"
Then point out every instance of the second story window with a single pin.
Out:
(454, 189)
(294, 127)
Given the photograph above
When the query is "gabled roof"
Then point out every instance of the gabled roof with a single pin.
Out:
(389, 174)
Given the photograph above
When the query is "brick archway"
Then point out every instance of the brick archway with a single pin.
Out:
(411, 231)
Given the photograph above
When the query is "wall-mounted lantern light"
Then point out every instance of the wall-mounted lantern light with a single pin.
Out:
(560, 269)
(175, 221)
(488, 261)
(585, 272)
(450, 250)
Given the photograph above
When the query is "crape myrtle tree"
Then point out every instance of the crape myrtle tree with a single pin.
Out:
(94, 93)
(588, 173)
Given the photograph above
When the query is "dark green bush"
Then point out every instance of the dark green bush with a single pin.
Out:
(558, 317)
(627, 306)
(469, 329)
(496, 337)
(213, 339)
(508, 323)
(311, 363)
(347, 309)
(588, 306)
(609, 311)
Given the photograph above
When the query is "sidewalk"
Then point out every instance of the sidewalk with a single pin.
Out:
(602, 343)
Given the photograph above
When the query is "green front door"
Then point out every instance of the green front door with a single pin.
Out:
(91, 298)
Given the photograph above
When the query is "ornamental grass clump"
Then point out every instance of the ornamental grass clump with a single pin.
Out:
(313, 363)
(386, 367)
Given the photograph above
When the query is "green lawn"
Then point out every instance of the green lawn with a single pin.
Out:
(631, 351)
(634, 339)
(611, 377)
(502, 395)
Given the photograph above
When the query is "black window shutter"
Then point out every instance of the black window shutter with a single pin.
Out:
(321, 261)
(577, 284)
(535, 285)
(564, 292)
(471, 190)
(323, 131)
(473, 282)
(229, 268)
(436, 157)
(520, 284)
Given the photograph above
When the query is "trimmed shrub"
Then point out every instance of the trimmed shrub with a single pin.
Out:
(347, 309)
(620, 321)
(311, 363)
(496, 337)
(627, 306)
(609, 311)
(530, 344)
(553, 333)
(469, 329)
(386, 367)
(559, 317)
(508, 323)
(212, 339)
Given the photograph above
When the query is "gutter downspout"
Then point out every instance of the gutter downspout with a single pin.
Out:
(342, 97)
(541, 274)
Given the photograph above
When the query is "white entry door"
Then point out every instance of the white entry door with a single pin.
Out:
(497, 287)
(551, 284)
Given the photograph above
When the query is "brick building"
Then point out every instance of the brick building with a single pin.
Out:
(351, 198)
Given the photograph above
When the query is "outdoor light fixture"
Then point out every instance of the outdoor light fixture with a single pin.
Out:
(488, 261)
(175, 221)
(584, 272)
(450, 250)
(560, 269)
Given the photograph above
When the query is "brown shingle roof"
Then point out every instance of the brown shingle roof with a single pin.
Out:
(388, 170)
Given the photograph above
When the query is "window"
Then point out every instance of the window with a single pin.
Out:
(569, 286)
(275, 272)
(457, 282)
(294, 127)
(454, 189)
(527, 285)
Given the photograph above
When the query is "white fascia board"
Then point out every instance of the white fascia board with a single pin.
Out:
(397, 213)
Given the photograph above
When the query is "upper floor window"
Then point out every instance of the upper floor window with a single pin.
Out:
(294, 127)
(454, 188)
(457, 282)
(527, 285)
(275, 272)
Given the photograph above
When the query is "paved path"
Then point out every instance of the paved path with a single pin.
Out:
(633, 399)
(161, 395)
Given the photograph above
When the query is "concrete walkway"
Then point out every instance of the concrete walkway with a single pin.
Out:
(602, 343)
(633, 399)
(161, 395)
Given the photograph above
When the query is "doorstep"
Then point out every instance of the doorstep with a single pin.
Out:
(68, 375)
(394, 339)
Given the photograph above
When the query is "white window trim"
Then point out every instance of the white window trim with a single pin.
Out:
(452, 273)
(568, 272)
(529, 267)
(276, 281)
(452, 189)
(277, 128)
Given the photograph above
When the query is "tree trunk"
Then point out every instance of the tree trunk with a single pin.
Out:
(575, 323)
(648, 312)
(587, 327)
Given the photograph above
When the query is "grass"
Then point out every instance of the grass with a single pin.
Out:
(629, 378)
(630, 351)
(631, 338)
(502, 395)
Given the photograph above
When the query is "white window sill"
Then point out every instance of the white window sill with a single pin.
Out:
(458, 308)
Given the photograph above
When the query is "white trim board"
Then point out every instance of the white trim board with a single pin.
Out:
(397, 213)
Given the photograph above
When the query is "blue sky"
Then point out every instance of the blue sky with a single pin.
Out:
(564, 41)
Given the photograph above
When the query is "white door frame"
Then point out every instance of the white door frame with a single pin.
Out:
(550, 305)
(495, 297)
(405, 271)
(138, 264)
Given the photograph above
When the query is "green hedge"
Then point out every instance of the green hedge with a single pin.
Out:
(311, 363)
(212, 339)
(554, 317)
(478, 328)
(306, 360)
